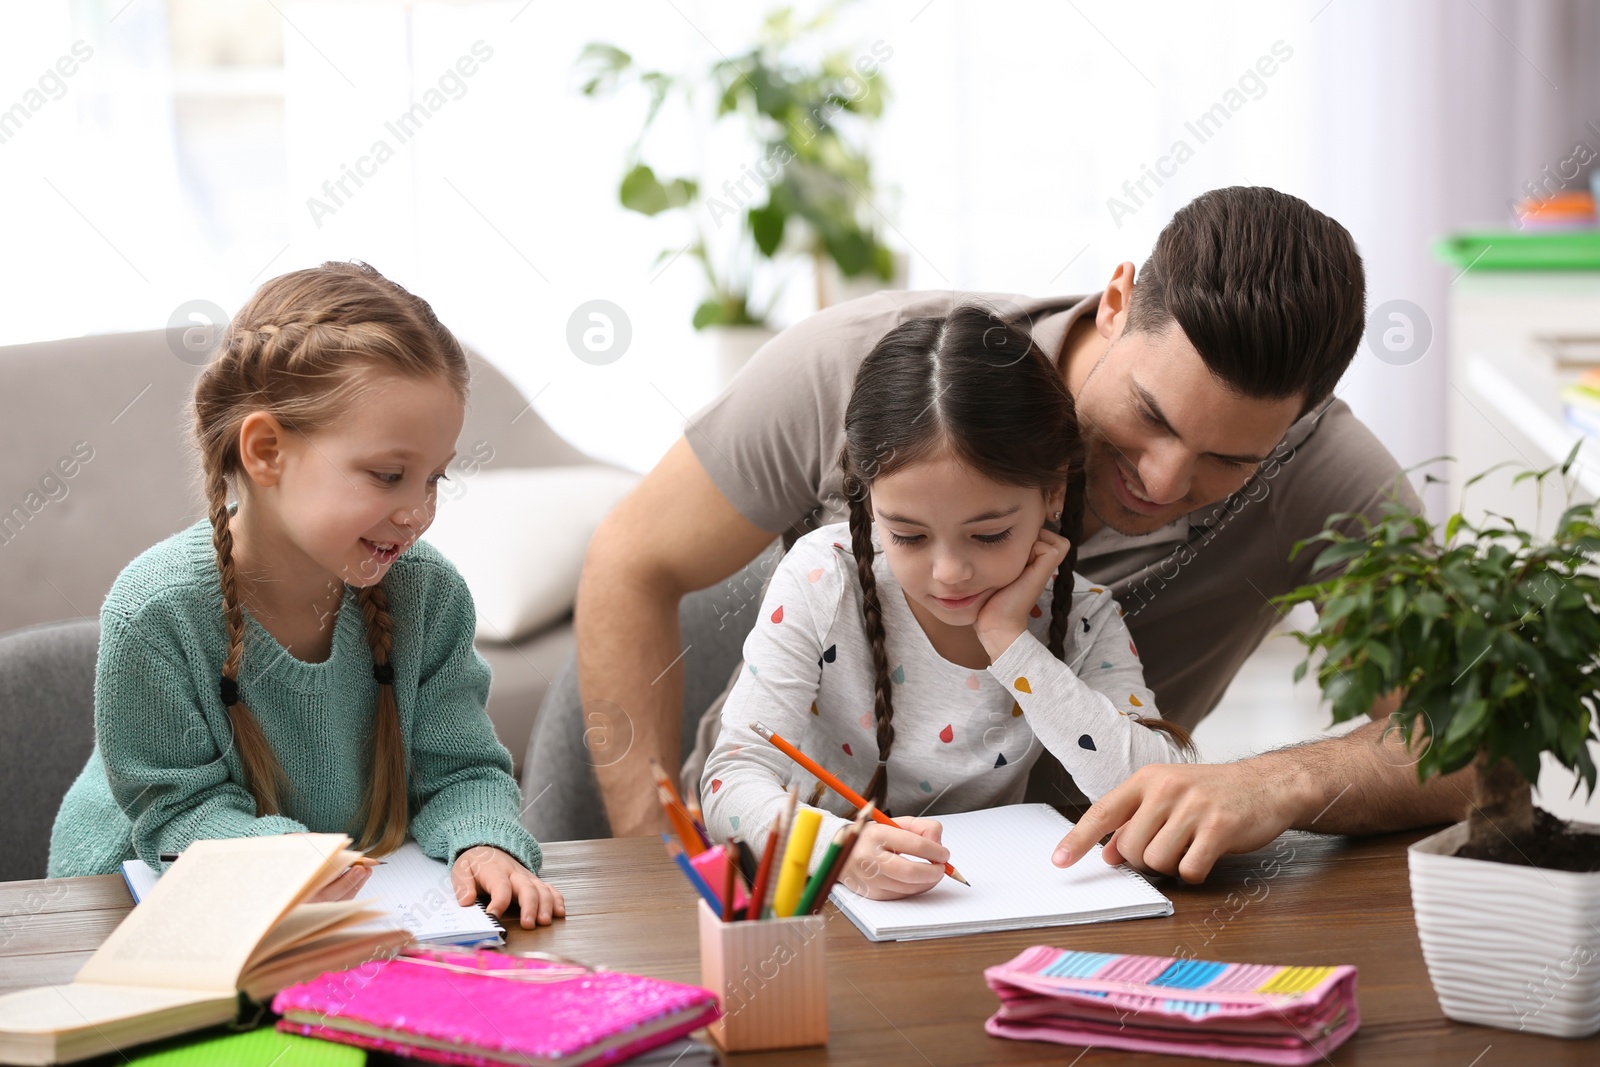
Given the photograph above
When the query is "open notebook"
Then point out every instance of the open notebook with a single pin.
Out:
(411, 888)
(1005, 852)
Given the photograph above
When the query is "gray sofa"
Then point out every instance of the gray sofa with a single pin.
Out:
(96, 466)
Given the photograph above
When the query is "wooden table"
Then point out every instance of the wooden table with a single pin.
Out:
(1303, 900)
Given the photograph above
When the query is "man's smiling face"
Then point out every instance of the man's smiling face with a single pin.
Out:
(1164, 436)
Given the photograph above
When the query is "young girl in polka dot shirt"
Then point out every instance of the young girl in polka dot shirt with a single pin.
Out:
(924, 651)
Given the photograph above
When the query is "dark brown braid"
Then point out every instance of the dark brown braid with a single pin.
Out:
(1061, 638)
(872, 614)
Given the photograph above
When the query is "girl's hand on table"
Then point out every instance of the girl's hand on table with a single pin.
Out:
(488, 869)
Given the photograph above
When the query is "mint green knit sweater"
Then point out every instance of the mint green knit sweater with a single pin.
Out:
(163, 772)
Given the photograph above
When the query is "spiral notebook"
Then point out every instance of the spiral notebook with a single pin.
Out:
(1005, 853)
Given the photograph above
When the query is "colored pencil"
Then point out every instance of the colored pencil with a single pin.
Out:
(691, 804)
(682, 826)
(758, 888)
(747, 863)
(855, 799)
(730, 877)
(675, 850)
(852, 838)
(692, 834)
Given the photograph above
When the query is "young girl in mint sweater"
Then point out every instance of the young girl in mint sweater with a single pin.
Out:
(299, 660)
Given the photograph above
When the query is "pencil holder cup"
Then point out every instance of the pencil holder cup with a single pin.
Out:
(771, 979)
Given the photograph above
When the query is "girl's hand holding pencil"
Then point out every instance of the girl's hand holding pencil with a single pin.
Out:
(887, 863)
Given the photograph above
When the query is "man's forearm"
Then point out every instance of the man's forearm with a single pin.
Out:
(630, 674)
(1365, 783)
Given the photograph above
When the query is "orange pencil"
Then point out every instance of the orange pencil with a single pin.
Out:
(855, 799)
(690, 830)
(682, 827)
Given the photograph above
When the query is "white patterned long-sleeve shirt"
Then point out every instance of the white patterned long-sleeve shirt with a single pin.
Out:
(964, 738)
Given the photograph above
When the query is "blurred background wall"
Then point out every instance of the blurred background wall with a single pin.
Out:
(1023, 146)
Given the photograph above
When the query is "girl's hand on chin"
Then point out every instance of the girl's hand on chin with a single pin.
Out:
(1004, 616)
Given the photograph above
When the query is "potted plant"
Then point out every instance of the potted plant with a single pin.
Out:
(1492, 637)
(807, 187)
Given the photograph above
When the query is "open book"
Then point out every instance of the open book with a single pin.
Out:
(1005, 852)
(411, 888)
(229, 917)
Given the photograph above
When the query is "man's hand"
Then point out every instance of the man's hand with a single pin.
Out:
(1004, 616)
(878, 867)
(1179, 818)
(499, 874)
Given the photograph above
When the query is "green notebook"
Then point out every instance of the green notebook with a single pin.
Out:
(263, 1047)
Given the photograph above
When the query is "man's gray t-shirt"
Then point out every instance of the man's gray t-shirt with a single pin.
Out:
(1195, 593)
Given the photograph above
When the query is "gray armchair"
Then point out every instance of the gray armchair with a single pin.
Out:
(46, 733)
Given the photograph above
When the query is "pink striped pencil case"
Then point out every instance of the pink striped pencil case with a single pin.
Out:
(1258, 1013)
(483, 1008)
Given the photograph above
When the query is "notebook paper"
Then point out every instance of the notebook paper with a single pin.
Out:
(409, 885)
(1005, 853)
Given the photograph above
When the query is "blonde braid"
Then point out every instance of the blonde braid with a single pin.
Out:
(386, 806)
(263, 773)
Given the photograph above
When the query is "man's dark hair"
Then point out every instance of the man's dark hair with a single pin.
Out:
(1269, 290)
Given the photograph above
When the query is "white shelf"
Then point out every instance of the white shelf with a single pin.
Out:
(1534, 421)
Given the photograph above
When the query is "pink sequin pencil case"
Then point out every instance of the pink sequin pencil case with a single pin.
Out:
(484, 1008)
(1258, 1013)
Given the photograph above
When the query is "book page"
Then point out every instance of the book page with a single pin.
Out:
(1005, 854)
(58, 1008)
(309, 921)
(200, 923)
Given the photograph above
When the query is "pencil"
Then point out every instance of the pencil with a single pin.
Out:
(690, 832)
(852, 838)
(682, 825)
(855, 799)
(730, 878)
(692, 806)
(758, 888)
(364, 861)
(675, 850)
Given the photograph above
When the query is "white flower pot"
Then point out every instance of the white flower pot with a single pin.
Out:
(1508, 946)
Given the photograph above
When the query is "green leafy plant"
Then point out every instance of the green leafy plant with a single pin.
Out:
(808, 122)
(1491, 636)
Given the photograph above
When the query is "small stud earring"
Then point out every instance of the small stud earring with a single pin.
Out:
(1057, 516)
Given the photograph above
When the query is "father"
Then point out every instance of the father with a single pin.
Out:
(1205, 392)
